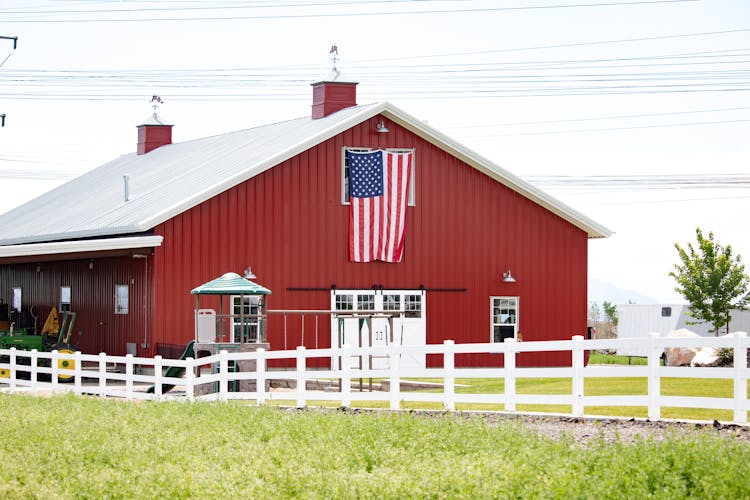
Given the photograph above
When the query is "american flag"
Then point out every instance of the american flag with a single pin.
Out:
(379, 190)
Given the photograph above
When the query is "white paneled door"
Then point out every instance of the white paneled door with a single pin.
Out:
(408, 326)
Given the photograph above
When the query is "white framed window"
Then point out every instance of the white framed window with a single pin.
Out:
(121, 299)
(345, 302)
(366, 302)
(345, 173)
(503, 318)
(413, 306)
(64, 298)
(17, 296)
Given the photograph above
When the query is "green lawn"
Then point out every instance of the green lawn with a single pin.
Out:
(597, 358)
(720, 388)
(84, 447)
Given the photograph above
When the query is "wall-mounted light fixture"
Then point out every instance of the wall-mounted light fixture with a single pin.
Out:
(38, 268)
(508, 278)
(381, 128)
(91, 264)
(248, 274)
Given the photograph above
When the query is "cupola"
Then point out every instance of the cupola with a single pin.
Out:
(333, 93)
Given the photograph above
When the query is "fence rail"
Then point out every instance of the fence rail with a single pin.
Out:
(133, 378)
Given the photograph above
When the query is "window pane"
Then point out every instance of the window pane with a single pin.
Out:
(413, 306)
(121, 299)
(366, 302)
(504, 318)
(65, 298)
(391, 302)
(344, 302)
(17, 299)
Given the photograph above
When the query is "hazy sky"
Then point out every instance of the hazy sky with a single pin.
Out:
(636, 113)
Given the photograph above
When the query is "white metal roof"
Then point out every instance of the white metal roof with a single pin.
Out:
(173, 178)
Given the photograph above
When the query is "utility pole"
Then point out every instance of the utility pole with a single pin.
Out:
(15, 44)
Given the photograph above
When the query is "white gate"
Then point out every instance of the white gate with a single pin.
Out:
(407, 327)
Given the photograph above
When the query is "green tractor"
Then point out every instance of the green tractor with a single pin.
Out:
(25, 340)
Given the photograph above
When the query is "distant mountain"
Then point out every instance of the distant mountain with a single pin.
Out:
(599, 291)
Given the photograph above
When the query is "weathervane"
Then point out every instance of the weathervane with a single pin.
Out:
(155, 101)
(334, 55)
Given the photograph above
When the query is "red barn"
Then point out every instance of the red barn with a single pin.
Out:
(486, 255)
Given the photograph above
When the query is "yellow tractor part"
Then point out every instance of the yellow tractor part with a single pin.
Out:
(4, 373)
(65, 364)
(52, 325)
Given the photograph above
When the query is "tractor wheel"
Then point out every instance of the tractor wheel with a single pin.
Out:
(4, 373)
(65, 364)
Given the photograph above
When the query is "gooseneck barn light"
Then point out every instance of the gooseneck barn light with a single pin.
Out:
(508, 278)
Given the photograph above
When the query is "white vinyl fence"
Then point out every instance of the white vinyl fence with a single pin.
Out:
(95, 374)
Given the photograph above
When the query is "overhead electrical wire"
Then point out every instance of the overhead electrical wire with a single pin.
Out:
(357, 14)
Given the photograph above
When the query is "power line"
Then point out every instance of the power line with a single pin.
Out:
(359, 14)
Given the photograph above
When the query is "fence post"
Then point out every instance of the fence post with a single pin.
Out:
(128, 377)
(54, 369)
(260, 370)
(157, 376)
(740, 378)
(346, 377)
(394, 355)
(102, 375)
(577, 357)
(509, 359)
(654, 380)
(223, 375)
(449, 378)
(13, 371)
(190, 378)
(78, 375)
(33, 370)
(301, 383)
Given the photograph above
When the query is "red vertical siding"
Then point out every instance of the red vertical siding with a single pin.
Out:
(97, 327)
(288, 223)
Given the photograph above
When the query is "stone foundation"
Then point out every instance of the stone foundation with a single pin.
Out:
(210, 348)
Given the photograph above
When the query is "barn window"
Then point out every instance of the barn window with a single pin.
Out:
(504, 318)
(412, 306)
(17, 298)
(344, 302)
(366, 302)
(345, 174)
(391, 302)
(121, 299)
(64, 298)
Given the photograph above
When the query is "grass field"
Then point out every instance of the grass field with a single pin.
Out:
(82, 447)
(718, 388)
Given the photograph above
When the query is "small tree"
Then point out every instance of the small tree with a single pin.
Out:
(610, 317)
(610, 311)
(595, 313)
(711, 280)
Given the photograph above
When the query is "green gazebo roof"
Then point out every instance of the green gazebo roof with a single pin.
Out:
(230, 284)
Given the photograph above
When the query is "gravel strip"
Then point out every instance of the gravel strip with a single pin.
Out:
(584, 430)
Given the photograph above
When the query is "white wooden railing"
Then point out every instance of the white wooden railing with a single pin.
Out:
(91, 374)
